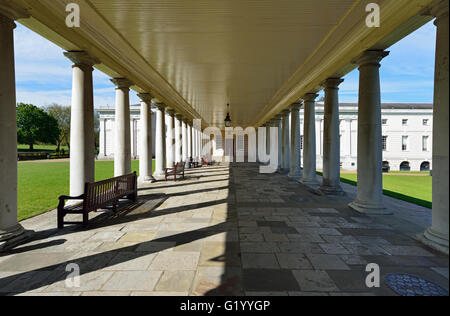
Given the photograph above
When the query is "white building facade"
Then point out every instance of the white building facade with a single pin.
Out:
(407, 135)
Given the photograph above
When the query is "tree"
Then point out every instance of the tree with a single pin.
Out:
(35, 125)
(62, 115)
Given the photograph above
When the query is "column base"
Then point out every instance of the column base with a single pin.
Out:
(312, 183)
(327, 190)
(146, 180)
(295, 175)
(434, 240)
(283, 171)
(369, 209)
(13, 237)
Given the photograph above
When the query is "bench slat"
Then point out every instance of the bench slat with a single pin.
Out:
(99, 195)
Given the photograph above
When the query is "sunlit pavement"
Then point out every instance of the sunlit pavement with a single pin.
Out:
(225, 231)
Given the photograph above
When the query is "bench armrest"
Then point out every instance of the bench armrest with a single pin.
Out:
(66, 197)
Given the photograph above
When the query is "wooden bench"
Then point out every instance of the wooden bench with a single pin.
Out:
(178, 170)
(96, 196)
(194, 164)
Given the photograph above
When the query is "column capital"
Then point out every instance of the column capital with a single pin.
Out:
(81, 58)
(439, 10)
(333, 83)
(145, 97)
(12, 12)
(296, 106)
(286, 112)
(179, 117)
(274, 122)
(170, 111)
(7, 21)
(310, 97)
(371, 57)
(122, 83)
(161, 106)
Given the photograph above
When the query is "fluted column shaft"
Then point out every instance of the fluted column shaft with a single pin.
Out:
(122, 152)
(178, 144)
(146, 143)
(160, 139)
(10, 229)
(331, 139)
(170, 138)
(295, 157)
(438, 234)
(286, 148)
(370, 152)
(82, 141)
(184, 141)
(278, 124)
(309, 140)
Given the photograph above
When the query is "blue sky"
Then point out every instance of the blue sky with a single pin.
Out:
(44, 76)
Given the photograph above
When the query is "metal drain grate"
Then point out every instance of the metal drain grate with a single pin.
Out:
(410, 285)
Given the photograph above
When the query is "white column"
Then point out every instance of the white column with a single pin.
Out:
(277, 123)
(309, 140)
(160, 140)
(194, 143)
(295, 157)
(200, 144)
(122, 150)
(145, 142)
(102, 152)
(178, 144)
(349, 139)
(331, 140)
(10, 230)
(369, 198)
(82, 141)
(286, 148)
(170, 138)
(267, 125)
(184, 140)
(189, 144)
(437, 235)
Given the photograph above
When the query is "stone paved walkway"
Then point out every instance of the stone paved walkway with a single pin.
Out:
(224, 231)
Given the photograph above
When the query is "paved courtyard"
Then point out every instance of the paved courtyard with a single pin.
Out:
(225, 230)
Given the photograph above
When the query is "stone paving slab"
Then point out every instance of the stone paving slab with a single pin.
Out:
(226, 230)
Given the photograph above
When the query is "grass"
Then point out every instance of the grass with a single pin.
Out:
(40, 148)
(414, 189)
(41, 183)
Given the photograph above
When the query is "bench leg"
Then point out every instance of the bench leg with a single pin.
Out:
(85, 220)
(60, 219)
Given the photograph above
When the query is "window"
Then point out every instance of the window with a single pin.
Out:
(384, 121)
(385, 143)
(404, 122)
(426, 122)
(404, 143)
(425, 143)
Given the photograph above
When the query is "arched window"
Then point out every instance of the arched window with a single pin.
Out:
(405, 166)
(425, 166)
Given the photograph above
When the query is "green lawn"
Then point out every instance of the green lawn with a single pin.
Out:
(41, 183)
(415, 189)
(40, 148)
